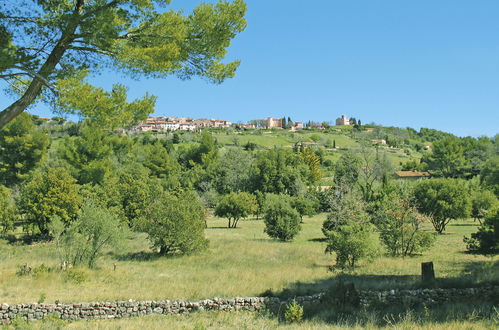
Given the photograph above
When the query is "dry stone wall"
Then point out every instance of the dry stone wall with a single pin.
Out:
(121, 309)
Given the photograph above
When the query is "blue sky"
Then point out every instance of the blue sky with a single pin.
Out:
(403, 63)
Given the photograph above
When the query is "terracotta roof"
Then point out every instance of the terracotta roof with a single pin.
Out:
(412, 174)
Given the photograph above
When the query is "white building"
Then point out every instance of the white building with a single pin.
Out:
(342, 121)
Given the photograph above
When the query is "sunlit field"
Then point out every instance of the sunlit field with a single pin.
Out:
(239, 262)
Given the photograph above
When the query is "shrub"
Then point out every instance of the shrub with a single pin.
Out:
(348, 230)
(175, 223)
(281, 220)
(486, 240)
(7, 210)
(75, 276)
(82, 241)
(293, 312)
(481, 203)
(351, 242)
(400, 227)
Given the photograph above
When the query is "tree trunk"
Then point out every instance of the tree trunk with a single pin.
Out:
(36, 85)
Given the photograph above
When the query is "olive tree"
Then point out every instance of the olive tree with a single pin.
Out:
(235, 206)
(443, 200)
(82, 241)
(401, 226)
(175, 223)
(482, 202)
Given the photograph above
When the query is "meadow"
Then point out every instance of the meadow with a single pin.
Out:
(239, 262)
(245, 262)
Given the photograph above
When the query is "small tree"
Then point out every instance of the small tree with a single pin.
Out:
(50, 192)
(443, 200)
(7, 210)
(348, 230)
(260, 201)
(303, 206)
(82, 241)
(235, 206)
(400, 227)
(486, 240)
(281, 220)
(351, 242)
(175, 223)
(481, 204)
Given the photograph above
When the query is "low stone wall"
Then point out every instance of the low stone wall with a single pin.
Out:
(121, 309)
(428, 297)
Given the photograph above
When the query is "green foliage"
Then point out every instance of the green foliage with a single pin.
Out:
(447, 158)
(89, 154)
(281, 220)
(50, 192)
(235, 206)
(8, 210)
(22, 148)
(304, 206)
(490, 174)
(100, 108)
(233, 172)
(348, 230)
(482, 201)
(401, 226)
(313, 161)
(486, 240)
(442, 200)
(343, 206)
(81, 242)
(293, 312)
(53, 44)
(279, 171)
(352, 242)
(175, 223)
(75, 276)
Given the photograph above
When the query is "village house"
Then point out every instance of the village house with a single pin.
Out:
(411, 175)
(272, 122)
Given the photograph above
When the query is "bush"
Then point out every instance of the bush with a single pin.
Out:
(481, 203)
(281, 220)
(81, 242)
(353, 241)
(401, 227)
(293, 312)
(349, 232)
(175, 223)
(8, 210)
(486, 240)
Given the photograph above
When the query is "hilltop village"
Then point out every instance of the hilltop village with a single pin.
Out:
(163, 123)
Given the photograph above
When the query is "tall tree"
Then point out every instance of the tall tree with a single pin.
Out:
(50, 192)
(22, 148)
(447, 159)
(50, 46)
